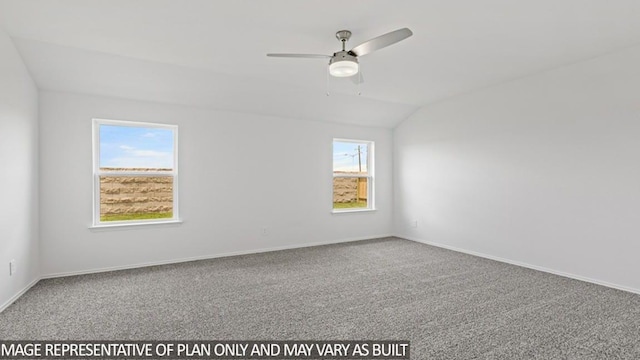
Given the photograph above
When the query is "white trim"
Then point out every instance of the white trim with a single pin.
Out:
(212, 256)
(133, 123)
(351, 210)
(18, 295)
(140, 223)
(135, 173)
(525, 265)
(350, 175)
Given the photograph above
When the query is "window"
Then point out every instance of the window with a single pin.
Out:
(135, 172)
(352, 175)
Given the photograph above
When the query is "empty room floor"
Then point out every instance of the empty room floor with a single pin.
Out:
(449, 305)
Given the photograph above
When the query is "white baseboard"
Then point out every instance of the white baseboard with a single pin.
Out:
(17, 295)
(525, 265)
(206, 257)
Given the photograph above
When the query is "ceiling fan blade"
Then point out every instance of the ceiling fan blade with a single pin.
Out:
(303, 56)
(381, 41)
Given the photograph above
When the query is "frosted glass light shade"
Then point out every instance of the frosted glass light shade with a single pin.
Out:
(343, 68)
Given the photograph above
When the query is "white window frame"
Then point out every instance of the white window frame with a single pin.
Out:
(97, 173)
(370, 176)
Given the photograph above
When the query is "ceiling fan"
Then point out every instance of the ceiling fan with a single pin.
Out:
(344, 63)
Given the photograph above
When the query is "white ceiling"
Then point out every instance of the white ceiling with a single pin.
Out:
(212, 53)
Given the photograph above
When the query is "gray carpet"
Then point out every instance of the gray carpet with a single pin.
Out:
(449, 305)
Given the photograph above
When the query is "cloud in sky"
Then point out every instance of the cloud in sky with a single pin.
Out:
(135, 147)
(148, 153)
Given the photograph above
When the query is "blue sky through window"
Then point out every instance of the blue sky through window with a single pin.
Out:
(136, 147)
(345, 156)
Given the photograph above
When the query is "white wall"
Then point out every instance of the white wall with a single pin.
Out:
(544, 171)
(239, 173)
(18, 174)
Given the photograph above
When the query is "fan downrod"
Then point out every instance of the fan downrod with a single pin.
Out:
(343, 36)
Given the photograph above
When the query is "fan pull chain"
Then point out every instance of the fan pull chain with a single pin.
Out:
(360, 81)
(327, 81)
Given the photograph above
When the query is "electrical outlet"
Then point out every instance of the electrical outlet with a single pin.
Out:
(414, 224)
(12, 268)
(264, 232)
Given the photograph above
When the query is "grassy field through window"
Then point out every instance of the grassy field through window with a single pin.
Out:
(136, 216)
(350, 205)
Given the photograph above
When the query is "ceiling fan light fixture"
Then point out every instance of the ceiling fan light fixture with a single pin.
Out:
(343, 64)
(343, 68)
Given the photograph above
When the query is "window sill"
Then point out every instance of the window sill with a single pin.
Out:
(122, 225)
(349, 211)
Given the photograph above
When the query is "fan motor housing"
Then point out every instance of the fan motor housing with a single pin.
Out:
(343, 56)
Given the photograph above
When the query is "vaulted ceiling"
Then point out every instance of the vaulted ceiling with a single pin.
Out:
(211, 53)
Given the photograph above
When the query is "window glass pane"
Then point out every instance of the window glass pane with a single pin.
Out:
(139, 148)
(350, 157)
(350, 192)
(136, 197)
